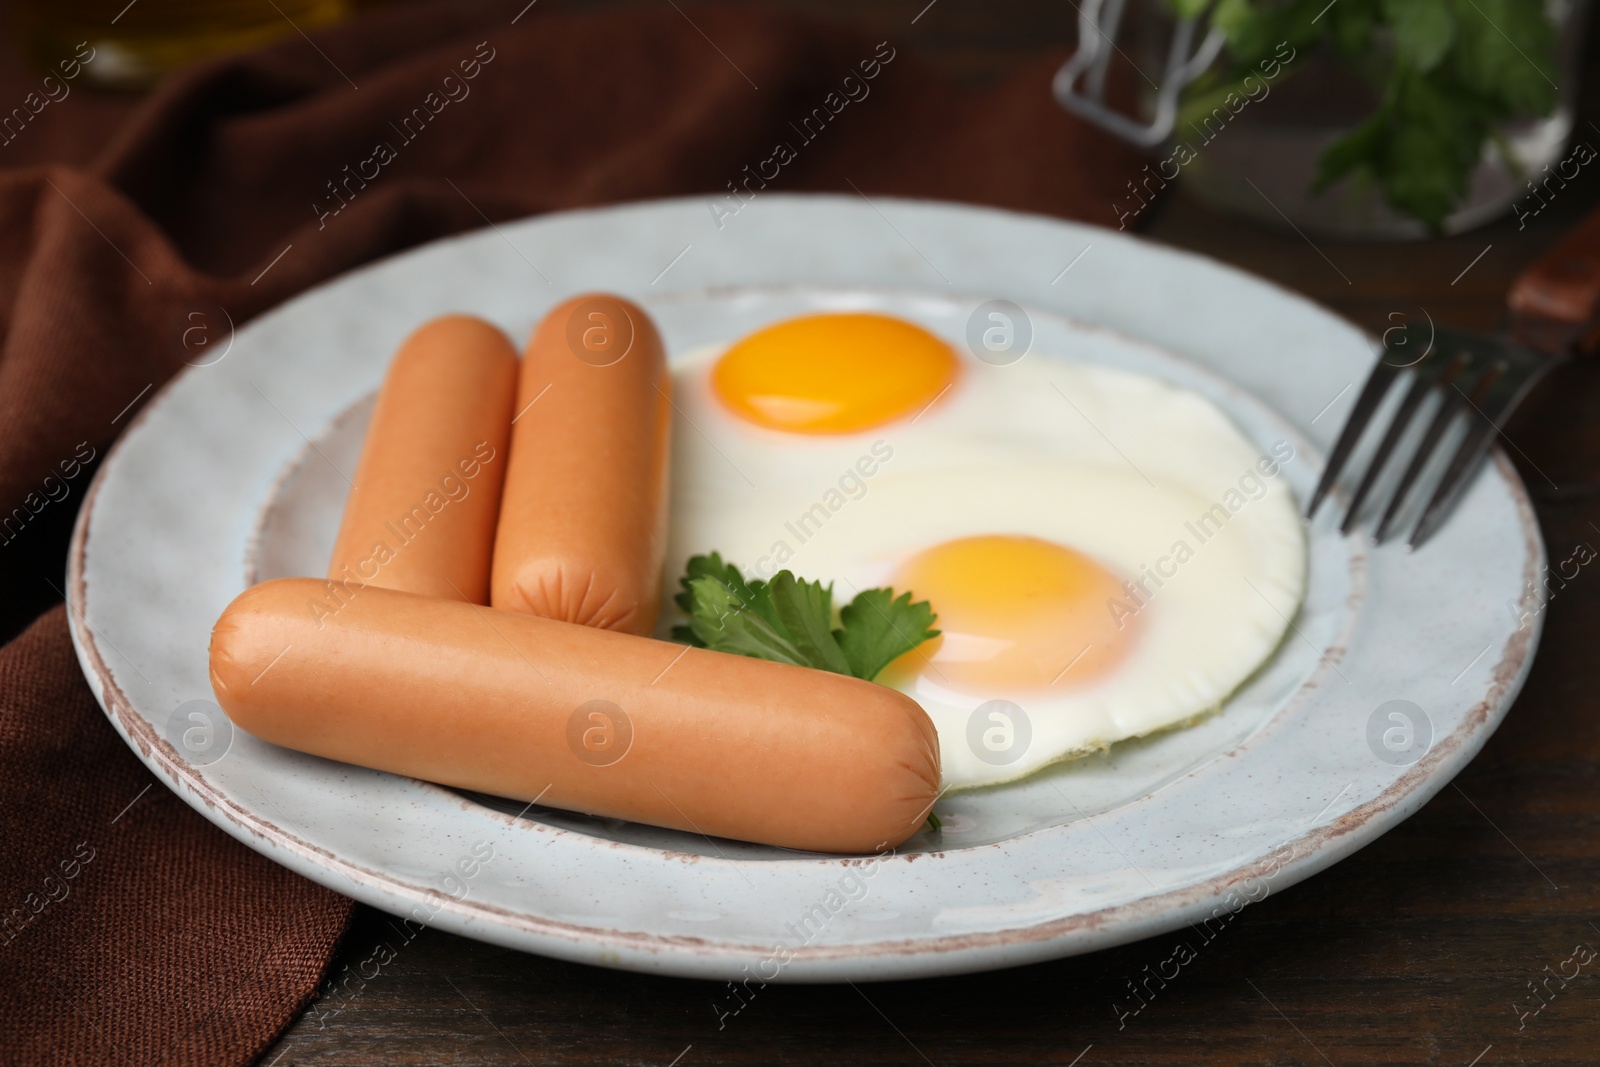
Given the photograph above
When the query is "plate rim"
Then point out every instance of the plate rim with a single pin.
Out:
(1128, 920)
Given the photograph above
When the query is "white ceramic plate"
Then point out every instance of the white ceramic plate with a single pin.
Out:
(232, 474)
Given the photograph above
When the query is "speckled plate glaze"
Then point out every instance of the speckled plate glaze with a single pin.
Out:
(232, 474)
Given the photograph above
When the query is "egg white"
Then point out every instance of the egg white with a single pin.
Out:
(1152, 481)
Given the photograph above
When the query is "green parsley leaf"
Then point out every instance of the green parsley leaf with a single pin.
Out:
(1424, 30)
(790, 620)
(721, 620)
(1236, 18)
(1352, 27)
(879, 628)
(750, 596)
(1446, 75)
(806, 611)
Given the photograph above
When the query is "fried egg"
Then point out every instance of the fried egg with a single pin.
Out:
(1107, 554)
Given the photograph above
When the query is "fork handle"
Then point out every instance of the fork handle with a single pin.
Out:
(1555, 303)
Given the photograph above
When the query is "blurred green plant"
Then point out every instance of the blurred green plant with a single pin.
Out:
(1448, 73)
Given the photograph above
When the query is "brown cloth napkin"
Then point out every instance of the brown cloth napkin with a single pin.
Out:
(134, 931)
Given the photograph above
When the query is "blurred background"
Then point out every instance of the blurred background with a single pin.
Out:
(1354, 118)
(1393, 120)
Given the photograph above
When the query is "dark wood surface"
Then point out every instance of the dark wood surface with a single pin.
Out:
(1419, 949)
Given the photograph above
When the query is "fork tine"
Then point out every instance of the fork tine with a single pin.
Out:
(1425, 378)
(1372, 393)
(1448, 407)
(1491, 416)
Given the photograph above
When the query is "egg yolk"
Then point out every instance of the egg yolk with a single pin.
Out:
(834, 373)
(1013, 613)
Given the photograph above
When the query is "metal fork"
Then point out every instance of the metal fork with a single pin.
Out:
(1480, 380)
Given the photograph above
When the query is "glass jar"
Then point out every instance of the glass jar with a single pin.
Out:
(1262, 162)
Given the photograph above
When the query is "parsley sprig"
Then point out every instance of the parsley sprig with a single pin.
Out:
(790, 620)
(1449, 74)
